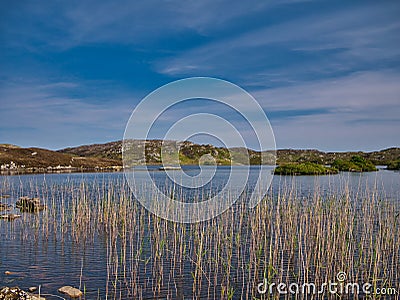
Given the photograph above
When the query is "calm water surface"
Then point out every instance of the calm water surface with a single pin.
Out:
(53, 263)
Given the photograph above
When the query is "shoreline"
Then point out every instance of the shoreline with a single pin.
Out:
(38, 171)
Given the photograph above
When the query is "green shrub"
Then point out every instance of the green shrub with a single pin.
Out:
(394, 165)
(355, 164)
(306, 168)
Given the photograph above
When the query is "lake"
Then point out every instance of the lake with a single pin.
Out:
(95, 236)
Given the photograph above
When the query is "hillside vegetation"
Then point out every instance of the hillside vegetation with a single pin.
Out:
(109, 155)
(190, 153)
(37, 159)
(307, 168)
(395, 165)
(355, 164)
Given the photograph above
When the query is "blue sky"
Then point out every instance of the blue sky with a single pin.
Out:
(326, 73)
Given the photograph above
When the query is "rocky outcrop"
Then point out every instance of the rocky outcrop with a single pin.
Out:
(108, 157)
(15, 160)
(30, 204)
(15, 293)
(191, 152)
(70, 291)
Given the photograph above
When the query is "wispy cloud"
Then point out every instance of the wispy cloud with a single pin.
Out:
(312, 45)
(358, 92)
(74, 23)
(323, 71)
(359, 111)
(52, 116)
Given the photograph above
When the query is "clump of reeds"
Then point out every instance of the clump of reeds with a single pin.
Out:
(286, 238)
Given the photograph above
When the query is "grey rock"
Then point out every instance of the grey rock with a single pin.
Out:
(70, 291)
(15, 293)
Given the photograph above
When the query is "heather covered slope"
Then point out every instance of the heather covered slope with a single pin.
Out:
(109, 155)
(12, 157)
(190, 153)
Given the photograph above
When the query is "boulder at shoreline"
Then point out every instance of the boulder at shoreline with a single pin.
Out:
(70, 291)
(15, 293)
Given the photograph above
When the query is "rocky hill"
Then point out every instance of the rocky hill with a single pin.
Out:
(111, 150)
(109, 156)
(190, 153)
(14, 158)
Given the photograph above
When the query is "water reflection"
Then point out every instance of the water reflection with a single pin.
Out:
(39, 253)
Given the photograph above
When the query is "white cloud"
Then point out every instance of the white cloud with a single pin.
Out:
(44, 114)
(358, 92)
(358, 36)
(360, 111)
(73, 23)
(340, 72)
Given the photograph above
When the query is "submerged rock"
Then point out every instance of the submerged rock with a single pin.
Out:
(15, 293)
(30, 204)
(70, 291)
